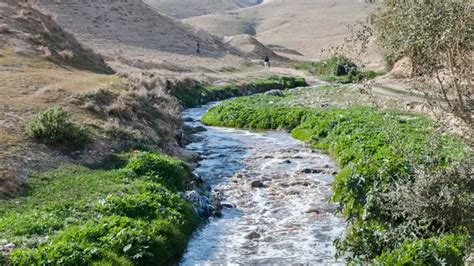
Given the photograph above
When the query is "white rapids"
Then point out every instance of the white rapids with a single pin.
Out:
(285, 219)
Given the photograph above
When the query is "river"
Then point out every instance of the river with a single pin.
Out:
(277, 192)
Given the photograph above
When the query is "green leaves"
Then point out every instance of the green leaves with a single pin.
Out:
(443, 250)
(55, 128)
(338, 69)
(164, 169)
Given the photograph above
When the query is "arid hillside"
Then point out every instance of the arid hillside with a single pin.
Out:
(42, 67)
(294, 25)
(133, 33)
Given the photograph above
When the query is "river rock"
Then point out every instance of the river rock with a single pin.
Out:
(311, 171)
(239, 175)
(253, 235)
(188, 119)
(300, 183)
(192, 130)
(274, 93)
(205, 206)
(257, 184)
(313, 210)
(227, 205)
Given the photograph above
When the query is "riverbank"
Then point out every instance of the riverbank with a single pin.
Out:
(382, 175)
(131, 214)
(116, 198)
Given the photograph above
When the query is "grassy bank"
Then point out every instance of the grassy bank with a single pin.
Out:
(338, 69)
(401, 186)
(79, 216)
(194, 95)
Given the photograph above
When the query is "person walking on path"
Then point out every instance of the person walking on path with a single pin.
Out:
(198, 47)
(266, 62)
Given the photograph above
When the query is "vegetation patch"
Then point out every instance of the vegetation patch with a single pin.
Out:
(55, 127)
(399, 180)
(79, 216)
(338, 69)
(451, 247)
(191, 95)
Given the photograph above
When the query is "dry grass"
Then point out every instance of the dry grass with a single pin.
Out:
(119, 111)
(28, 85)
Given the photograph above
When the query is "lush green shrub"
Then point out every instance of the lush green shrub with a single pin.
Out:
(338, 69)
(161, 168)
(55, 127)
(343, 66)
(443, 250)
(395, 171)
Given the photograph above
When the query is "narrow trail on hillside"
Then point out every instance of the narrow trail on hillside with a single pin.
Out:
(383, 87)
(275, 191)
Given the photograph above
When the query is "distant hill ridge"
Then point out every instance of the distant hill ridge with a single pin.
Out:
(191, 8)
(130, 22)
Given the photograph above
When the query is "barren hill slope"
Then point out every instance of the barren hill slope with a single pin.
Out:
(133, 30)
(301, 25)
(35, 34)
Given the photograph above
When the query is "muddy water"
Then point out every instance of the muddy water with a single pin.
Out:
(284, 219)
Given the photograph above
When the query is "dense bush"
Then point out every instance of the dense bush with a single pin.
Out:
(339, 69)
(191, 95)
(55, 127)
(443, 250)
(393, 184)
(78, 216)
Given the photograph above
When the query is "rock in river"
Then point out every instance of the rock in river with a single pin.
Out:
(311, 171)
(257, 184)
(253, 235)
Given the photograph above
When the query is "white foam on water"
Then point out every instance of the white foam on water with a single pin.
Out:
(289, 221)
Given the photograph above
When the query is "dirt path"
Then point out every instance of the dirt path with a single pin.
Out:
(310, 79)
(381, 87)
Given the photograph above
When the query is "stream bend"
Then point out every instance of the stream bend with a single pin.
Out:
(276, 191)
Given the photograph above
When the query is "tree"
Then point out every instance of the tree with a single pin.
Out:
(437, 35)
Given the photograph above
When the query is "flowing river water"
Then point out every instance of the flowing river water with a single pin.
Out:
(276, 191)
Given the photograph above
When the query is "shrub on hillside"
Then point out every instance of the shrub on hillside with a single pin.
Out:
(339, 69)
(55, 127)
(343, 66)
